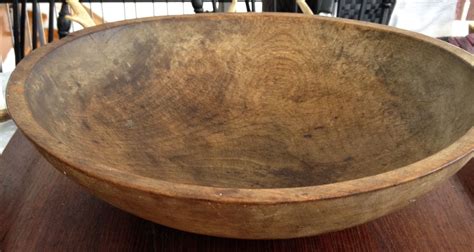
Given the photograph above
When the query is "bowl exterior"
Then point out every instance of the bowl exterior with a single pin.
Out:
(270, 214)
(279, 220)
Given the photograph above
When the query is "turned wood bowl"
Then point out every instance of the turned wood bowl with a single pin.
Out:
(253, 126)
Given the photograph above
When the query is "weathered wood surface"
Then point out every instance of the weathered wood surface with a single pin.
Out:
(251, 126)
(41, 210)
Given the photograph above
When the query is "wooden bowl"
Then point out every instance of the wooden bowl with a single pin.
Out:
(250, 126)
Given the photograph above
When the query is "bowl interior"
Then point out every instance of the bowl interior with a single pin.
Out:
(251, 101)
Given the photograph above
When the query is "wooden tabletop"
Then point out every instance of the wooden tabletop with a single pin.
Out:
(40, 209)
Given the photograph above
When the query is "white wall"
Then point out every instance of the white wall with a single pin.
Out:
(430, 17)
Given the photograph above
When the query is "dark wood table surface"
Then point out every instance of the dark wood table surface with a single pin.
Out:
(40, 209)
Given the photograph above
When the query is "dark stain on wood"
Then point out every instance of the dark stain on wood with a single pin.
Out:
(177, 122)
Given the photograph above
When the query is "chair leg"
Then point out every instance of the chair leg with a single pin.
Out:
(64, 25)
(16, 33)
(197, 5)
(51, 21)
(363, 7)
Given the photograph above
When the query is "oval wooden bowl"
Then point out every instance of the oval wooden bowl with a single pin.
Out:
(251, 126)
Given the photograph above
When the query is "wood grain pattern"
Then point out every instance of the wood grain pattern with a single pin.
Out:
(250, 126)
(41, 210)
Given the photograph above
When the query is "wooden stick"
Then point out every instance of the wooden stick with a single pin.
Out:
(4, 116)
(304, 7)
(80, 14)
(233, 6)
(95, 17)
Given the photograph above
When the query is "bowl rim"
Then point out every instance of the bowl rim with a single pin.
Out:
(459, 150)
